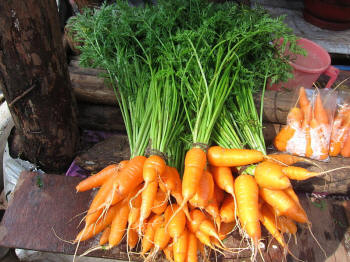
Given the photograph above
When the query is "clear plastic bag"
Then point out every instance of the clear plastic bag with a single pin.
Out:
(309, 124)
(340, 137)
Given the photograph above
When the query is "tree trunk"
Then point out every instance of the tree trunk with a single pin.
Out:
(35, 82)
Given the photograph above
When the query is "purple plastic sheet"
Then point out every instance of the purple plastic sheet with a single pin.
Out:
(87, 137)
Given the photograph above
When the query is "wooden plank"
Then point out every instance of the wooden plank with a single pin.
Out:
(35, 211)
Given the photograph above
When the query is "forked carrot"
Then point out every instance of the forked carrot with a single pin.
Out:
(270, 175)
(218, 156)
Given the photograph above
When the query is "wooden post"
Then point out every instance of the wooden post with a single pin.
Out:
(35, 82)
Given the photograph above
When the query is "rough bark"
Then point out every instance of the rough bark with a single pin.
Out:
(35, 82)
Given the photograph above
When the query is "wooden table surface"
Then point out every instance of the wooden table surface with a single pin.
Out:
(44, 208)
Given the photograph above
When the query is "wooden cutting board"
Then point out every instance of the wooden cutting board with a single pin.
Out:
(44, 209)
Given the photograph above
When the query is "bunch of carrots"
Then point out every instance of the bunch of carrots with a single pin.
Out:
(308, 129)
(225, 198)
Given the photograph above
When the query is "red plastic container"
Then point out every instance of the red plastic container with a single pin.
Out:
(307, 69)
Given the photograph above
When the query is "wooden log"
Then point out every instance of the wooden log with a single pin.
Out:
(90, 88)
(35, 82)
(109, 151)
(100, 117)
(31, 213)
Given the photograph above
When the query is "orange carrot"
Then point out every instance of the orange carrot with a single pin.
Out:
(270, 175)
(98, 179)
(196, 219)
(147, 241)
(178, 223)
(247, 195)
(286, 225)
(204, 192)
(192, 248)
(339, 133)
(213, 209)
(195, 162)
(227, 210)
(308, 149)
(167, 181)
(93, 229)
(105, 236)
(218, 156)
(223, 178)
(319, 143)
(269, 221)
(295, 117)
(345, 152)
(294, 121)
(203, 238)
(161, 237)
(148, 196)
(160, 202)
(290, 192)
(320, 113)
(180, 247)
(280, 200)
(219, 195)
(282, 138)
(116, 188)
(285, 159)
(303, 100)
(168, 252)
(133, 238)
(298, 173)
(153, 168)
(119, 224)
